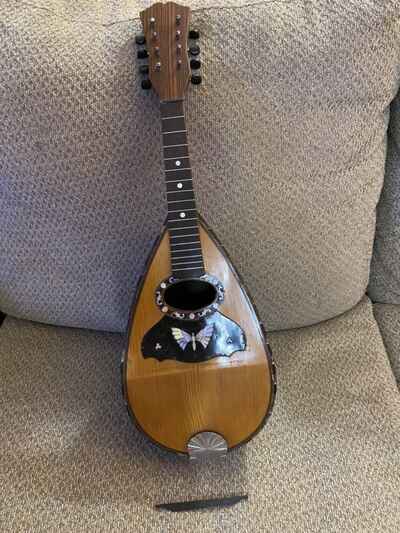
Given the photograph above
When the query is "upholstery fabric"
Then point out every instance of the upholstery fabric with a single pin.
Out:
(385, 268)
(288, 136)
(388, 318)
(328, 459)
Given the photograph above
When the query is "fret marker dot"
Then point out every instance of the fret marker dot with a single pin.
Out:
(179, 185)
(178, 163)
(182, 215)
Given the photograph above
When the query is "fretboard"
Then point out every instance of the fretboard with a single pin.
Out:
(182, 220)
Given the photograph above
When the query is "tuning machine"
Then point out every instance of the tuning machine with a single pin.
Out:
(194, 52)
(142, 53)
(140, 39)
(194, 34)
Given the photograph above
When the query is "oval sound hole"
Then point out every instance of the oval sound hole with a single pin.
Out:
(190, 294)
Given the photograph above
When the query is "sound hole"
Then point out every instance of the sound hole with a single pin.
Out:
(190, 294)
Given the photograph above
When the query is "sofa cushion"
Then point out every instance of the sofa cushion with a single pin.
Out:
(384, 284)
(388, 318)
(288, 146)
(327, 460)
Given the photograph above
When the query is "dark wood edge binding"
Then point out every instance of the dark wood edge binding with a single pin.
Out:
(261, 330)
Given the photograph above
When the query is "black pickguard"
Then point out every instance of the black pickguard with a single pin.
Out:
(227, 337)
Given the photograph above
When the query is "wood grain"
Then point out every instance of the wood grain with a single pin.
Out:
(170, 82)
(171, 401)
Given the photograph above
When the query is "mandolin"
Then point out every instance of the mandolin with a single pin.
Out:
(198, 376)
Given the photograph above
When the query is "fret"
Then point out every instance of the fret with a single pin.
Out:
(193, 252)
(178, 169)
(187, 268)
(182, 179)
(179, 187)
(182, 222)
(178, 174)
(183, 243)
(181, 237)
(184, 211)
(176, 253)
(186, 257)
(196, 257)
(172, 138)
(182, 200)
(176, 116)
(182, 157)
(198, 262)
(175, 151)
(180, 229)
(182, 219)
(174, 131)
(179, 191)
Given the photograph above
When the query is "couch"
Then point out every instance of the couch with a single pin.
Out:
(295, 142)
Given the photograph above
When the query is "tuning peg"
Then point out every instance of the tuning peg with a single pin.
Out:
(144, 69)
(142, 54)
(194, 34)
(195, 64)
(196, 79)
(140, 39)
(146, 84)
(194, 50)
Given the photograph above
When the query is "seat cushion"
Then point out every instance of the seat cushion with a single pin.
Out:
(384, 284)
(328, 459)
(388, 318)
(288, 149)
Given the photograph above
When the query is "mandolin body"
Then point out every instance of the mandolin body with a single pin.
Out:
(172, 400)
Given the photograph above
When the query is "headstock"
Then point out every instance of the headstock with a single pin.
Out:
(166, 33)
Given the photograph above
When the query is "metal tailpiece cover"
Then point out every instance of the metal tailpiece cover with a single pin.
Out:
(207, 444)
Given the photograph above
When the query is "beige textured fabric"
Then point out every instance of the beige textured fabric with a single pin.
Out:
(288, 147)
(328, 460)
(384, 284)
(388, 318)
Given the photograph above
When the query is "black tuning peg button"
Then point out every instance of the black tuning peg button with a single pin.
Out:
(194, 50)
(142, 54)
(194, 34)
(140, 39)
(146, 84)
(144, 69)
(195, 64)
(195, 79)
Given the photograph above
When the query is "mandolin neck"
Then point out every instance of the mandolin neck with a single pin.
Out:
(182, 220)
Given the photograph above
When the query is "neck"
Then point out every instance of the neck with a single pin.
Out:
(182, 220)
